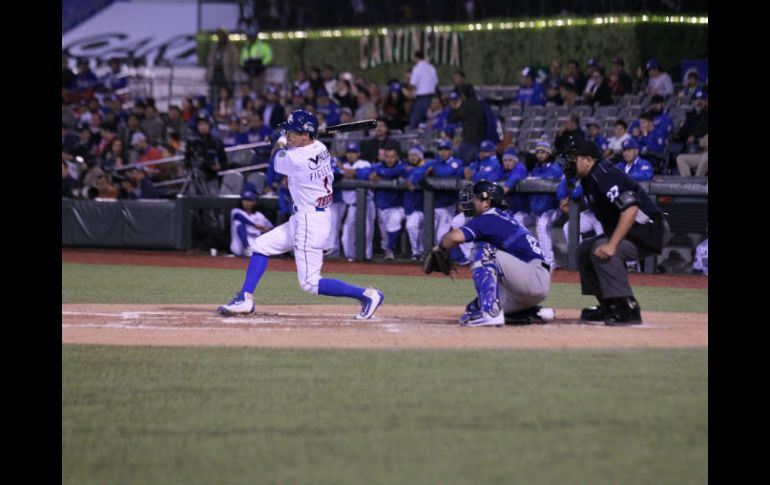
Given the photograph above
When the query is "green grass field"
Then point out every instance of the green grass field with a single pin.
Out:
(146, 415)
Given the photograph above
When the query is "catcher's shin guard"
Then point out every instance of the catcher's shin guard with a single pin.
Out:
(484, 272)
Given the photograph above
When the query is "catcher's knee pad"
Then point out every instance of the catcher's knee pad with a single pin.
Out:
(483, 254)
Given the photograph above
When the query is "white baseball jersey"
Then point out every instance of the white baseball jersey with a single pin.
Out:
(252, 233)
(349, 196)
(702, 257)
(309, 170)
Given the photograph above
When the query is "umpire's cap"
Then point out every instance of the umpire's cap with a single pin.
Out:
(586, 148)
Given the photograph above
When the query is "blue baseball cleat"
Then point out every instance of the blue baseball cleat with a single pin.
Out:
(372, 300)
(239, 305)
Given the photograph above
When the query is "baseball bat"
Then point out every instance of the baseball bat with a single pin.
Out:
(354, 126)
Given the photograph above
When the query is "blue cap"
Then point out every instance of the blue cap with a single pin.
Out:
(445, 144)
(510, 152)
(528, 72)
(543, 145)
(630, 144)
(395, 87)
(249, 191)
(700, 94)
(352, 147)
(454, 95)
(653, 64)
(487, 146)
(321, 93)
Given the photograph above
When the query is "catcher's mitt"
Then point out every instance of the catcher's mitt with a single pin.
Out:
(438, 260)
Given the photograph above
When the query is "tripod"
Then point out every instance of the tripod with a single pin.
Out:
(194, 183)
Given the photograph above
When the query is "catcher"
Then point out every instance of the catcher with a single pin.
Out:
(509, 273)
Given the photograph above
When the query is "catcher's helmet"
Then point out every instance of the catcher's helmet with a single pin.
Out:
(483, 190)
(301, 121)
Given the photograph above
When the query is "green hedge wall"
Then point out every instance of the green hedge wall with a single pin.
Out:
(496, 57)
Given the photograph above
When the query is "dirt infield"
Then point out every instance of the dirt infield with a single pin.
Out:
(330, 326)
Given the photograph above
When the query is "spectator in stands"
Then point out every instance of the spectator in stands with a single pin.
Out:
(272, 112)
(374, 148)
(115, 156)
(254, 57)
(367, 110)
(691, 86)
(651, 141)
(594, 134)
(424, 81)
(106, 135)
(316, 81)
(142, 187)
(104, 188)
(152, 126)
(568, 93)
(553, 94)
(85, 80)
(221, 65)
(225, 105)
(615, 143)
(468, 111)
(327, 107)
(394, 111)
(69, 185)
(662, 121)
(114, 79)
(257, 130)
(600, 94)
(189, 112)
(83, 146)
(67, 77)
(301, 81)
(699, 161)
(620, 81)
(374, 95)
(591, 66)
(458, 81)
(233, 130)
(555, 73)
(329, 77)
(529, 93)
(436, 114)
(632, 164)
(660, 82)
(575, 76)
(298, 100)
(176, 123)
(345, 97)
(144, 151)
(211, 153)
(641, 81)
(569, 132)
(696, 123)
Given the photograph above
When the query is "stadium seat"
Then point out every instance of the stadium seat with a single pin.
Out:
(582, 110)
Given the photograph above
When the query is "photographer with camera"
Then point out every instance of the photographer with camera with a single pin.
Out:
(206, 153)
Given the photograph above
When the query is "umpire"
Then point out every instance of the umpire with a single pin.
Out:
(634, 227)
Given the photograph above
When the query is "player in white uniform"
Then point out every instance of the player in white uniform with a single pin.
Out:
(307, 164)
(351, 169)
(247, 223)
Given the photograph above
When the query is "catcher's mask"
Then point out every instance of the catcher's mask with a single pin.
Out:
(484, 190)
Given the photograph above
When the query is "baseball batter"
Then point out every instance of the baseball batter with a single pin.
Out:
(307, 164)
(507, 265)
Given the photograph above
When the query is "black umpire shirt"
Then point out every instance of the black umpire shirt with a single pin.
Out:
(603, 184)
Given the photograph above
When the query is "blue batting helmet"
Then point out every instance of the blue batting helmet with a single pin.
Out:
(302, 122)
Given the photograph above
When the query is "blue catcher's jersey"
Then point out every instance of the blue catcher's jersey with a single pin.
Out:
(498, 228)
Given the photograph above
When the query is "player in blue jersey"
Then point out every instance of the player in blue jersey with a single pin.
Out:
(509, 273)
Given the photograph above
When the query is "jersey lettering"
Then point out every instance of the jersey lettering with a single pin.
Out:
(612, 194)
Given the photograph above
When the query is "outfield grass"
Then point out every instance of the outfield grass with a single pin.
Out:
(225, 415)
(86, 283)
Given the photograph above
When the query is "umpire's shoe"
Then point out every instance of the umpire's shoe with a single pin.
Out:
(241, 304)
(624, 312)
(371, 301)
(596, 313)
